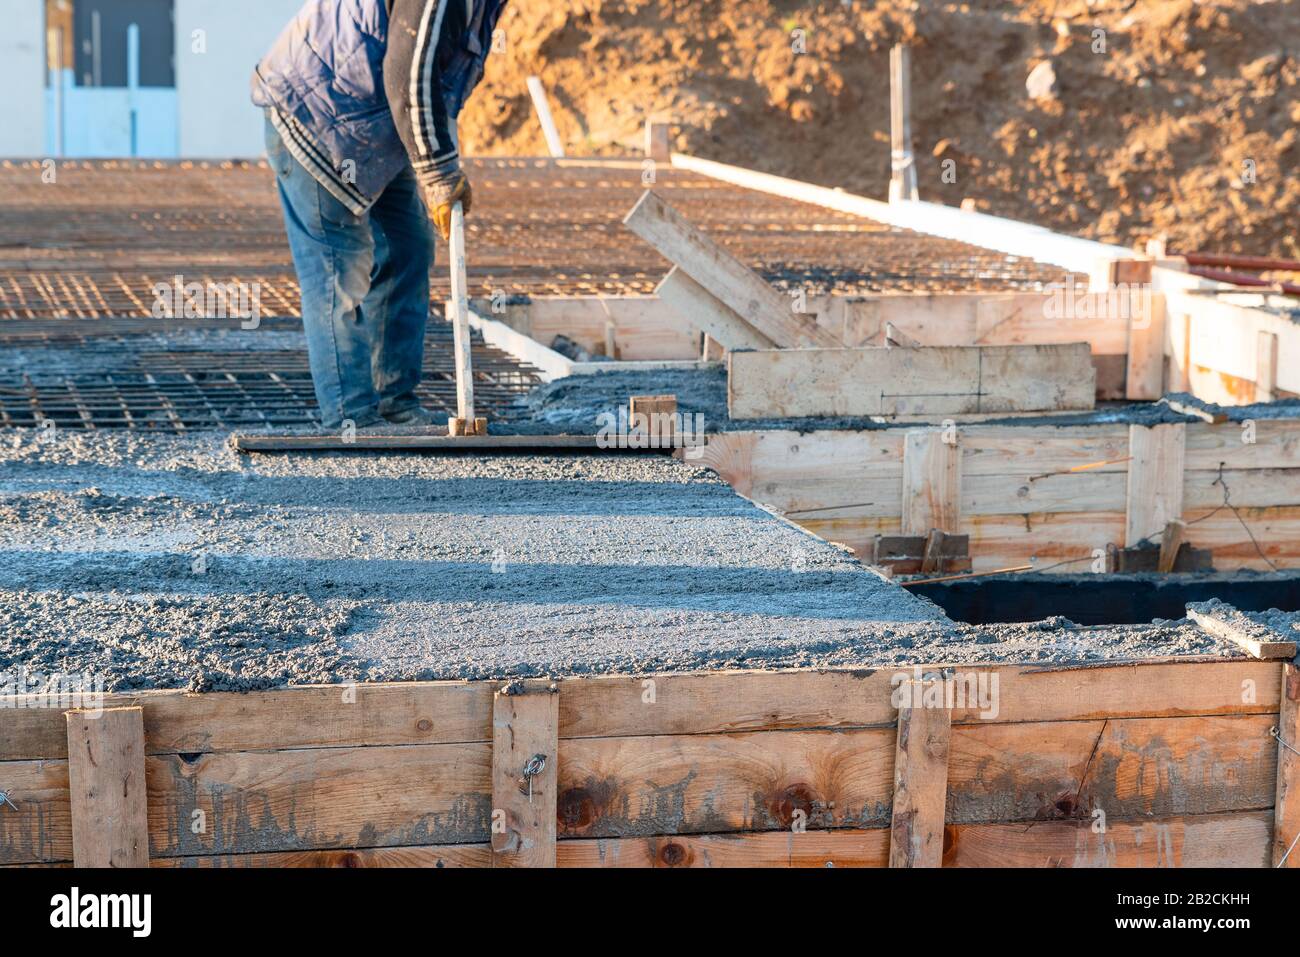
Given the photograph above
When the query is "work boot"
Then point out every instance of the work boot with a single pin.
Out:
(415, 415)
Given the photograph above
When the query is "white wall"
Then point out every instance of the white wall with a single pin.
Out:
(22, 78)
(217, 119)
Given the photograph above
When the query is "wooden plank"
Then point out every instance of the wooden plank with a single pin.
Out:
(724, 276)
(1265, 366)
(1286, 811)
(525, 733)
(931, 482)
(1226, 622)
(1259, 444)
(460, 324)
(1126, 768)
(436, 855)
(701, 784)
(252, 802)
(313, 716)
(1237, 839)
(1171, 540)
(931, 380)
(920, 777)
(1146, 352)
(1155, 480)
(728, 702)
(842, 847)
(710, 314)
(106, 786)
(644, 327)
(255, 442)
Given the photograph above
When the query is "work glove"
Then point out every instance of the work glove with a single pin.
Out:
(443, 197)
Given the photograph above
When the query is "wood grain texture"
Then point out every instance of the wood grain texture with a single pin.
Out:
(1211, 840)
(106, 787)
(708, 313)
(723, 275)
(930, 380)
(525, 726)
(1286, 813)
(931, 482)
(329, 716)
(1155, 481)
(920, 778)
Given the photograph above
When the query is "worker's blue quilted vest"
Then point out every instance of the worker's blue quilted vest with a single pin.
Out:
(326, 70)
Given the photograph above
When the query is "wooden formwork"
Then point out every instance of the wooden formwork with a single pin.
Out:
(1169, 762)
(1045, 493)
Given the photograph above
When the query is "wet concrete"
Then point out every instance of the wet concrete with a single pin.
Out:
(166, 561)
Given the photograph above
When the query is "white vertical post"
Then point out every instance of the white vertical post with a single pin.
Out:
(133, 83)
(460, 321)
(56, 85)
(902, 178)
(543, 107)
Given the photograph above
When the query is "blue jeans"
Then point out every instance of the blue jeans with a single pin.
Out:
(365, 290)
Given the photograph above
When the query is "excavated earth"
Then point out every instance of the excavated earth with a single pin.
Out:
(175, 562)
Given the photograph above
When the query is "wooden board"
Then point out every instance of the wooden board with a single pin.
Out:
(254, 442)
(726, 702)
(708, 313)
(842, 847)
(894, 381)
(1226, 622)
(525, 734)
(1286, 817)
(1146, 352)
(643, 327)
(724, 276)
(920, 778)
(1211, 840)
(931, 482)
(1155, 481)
(106, 787)
(320, 716)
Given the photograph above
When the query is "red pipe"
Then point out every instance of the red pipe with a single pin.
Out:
(1242, 279)
(1233, 261)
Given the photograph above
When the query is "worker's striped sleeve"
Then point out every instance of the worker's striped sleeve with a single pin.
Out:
(421, 35)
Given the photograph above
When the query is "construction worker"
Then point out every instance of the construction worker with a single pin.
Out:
(361, 100)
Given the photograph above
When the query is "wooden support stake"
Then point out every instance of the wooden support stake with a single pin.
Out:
(933, 556)
(1146, 345)
(110, 819)
(655, 415)
(931, 482)
(723, 275)
(1286, 809)
(1265, 366)
(902, 178)
(1155, 480)
(897, 337)
(525, 748)
(1170, 541)
(920, 775)
(657, 134)
(543, 106)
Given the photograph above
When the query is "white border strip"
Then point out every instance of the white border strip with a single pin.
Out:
(978, 229)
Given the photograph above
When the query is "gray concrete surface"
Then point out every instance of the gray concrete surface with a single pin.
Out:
(162, 561)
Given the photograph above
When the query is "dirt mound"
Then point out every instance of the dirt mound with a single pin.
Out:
(1168, 116)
